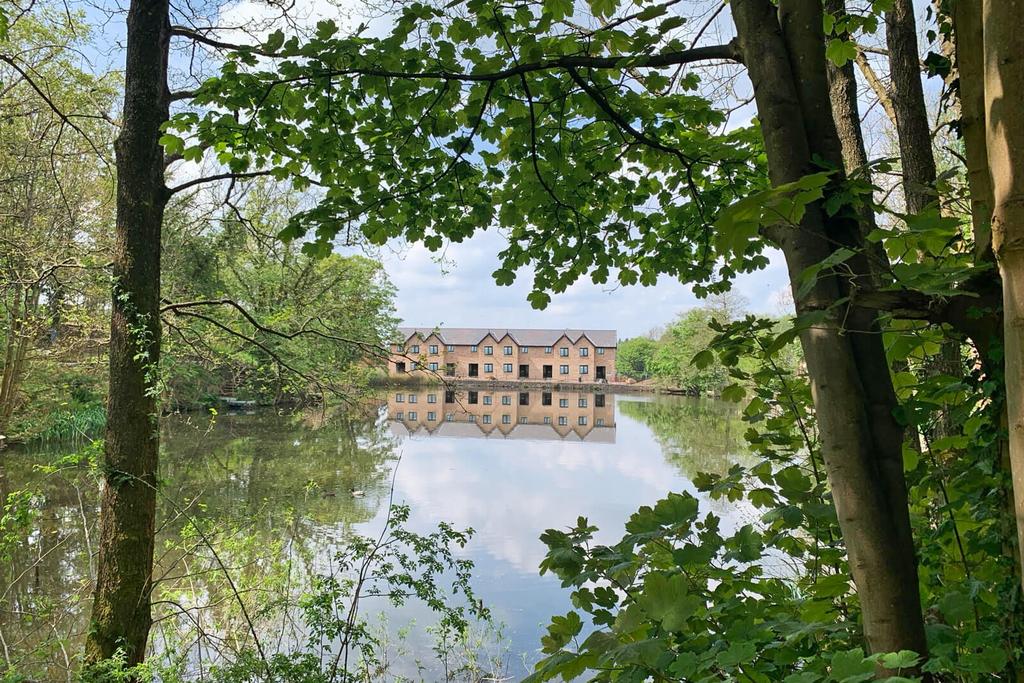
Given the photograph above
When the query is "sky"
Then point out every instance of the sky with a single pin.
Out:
(458, 290)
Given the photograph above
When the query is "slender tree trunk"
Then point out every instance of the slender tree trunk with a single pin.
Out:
(1004, 117)
(121, 615)
(851, 390)
(907, 95)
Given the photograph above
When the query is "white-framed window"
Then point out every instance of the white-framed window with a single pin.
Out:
(412, 398)
(433, 349)
(523, 420)
(563, 352)
(488, 400)
(547, 419)
(432, 366)
(584, 369)
(487, 419)
(449, 417)
(431, 398)
(506, 419)
(450, 348)
(399, 415)
(488, 367)
(412, 415)
(599, 422)
(563, 420)
(583, 402)
(506, 400)
(582, 420)
(508, 350)
(600, 350)
(584, 352)
(399, 398)
(563, 369)
(507, 367)
(488, 350)
(524, 349)
(431, 416)
(473, 348)
(563, 403)
(399, 348)
(547, 349)
(415, 348)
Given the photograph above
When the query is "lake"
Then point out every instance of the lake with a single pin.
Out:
(271, 494)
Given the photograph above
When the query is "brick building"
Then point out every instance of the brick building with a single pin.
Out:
(505, 354)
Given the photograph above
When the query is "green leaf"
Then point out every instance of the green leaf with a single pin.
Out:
(840, 51)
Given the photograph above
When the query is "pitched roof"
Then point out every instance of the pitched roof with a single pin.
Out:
(469, 336)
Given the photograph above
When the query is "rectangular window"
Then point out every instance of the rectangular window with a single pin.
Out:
(431, 398)
(563, 369)
(399, 348)
(507, 367)
(547, 349)
(431, 416)
(599, 422)
(599, 400)
(450, 348)
(564, 352)
(488, 350)
(449, 396)
(584, 369)
(415, 348)
(471, 418)
(545, 398)
(473, 348)
(412, 415)
(399, 415)
(524, 398)
(563, 420)
(488, 367)
(547, 419)
(412, 398)
(582, 420)
(488, 400)
(474, 370)
(508, 350)
(524, 349)
(584, 352)
(449, 417)
(399, 367)
(563, 403)
(487, 419)
(449, 369)
(506, 419)
(399, 398)
(472, 397)
(600, 350)
(433, 349)
(432, 367)
(583, 402)
(523, 420)
(506, 400)
(414, 365)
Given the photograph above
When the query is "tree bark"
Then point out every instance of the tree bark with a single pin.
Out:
(121, 616)
(1004, 125)
(785, 62)
(907, 94)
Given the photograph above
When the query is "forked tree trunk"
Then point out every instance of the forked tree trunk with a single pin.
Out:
(121, 616)
(1004, 124)
(851, 385)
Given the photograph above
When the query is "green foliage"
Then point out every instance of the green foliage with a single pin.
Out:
(634, 356)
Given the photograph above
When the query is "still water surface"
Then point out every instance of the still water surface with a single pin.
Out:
(509, 465)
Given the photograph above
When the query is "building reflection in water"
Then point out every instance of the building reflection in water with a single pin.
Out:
(502, 414)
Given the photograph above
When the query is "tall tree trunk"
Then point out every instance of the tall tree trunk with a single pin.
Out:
(907, 94)
(1004, 124)
(121, 615)
(850, 382)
